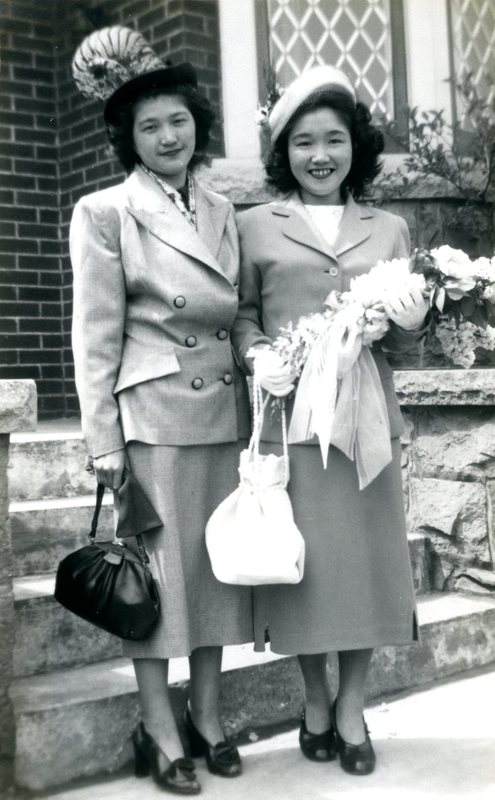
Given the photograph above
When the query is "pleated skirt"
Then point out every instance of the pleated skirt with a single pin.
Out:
(357, 590)
(185, 485)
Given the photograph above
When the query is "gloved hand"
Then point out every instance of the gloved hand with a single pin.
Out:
(272, 374)
(407, 309)
(109, 469)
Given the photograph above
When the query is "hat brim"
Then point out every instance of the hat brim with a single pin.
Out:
(157, 79)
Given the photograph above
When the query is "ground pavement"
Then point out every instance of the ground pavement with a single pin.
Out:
(437, 744)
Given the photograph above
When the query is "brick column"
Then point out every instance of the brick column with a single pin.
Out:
(17, 412)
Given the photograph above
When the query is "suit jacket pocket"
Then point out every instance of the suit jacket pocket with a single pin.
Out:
(142, 365)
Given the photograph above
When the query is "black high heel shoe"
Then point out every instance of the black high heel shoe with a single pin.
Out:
(356, 759)
(317, 746)
(175, 776)
(221, 759)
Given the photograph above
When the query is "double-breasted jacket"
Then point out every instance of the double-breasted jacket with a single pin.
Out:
(154, 304)
(288, 269)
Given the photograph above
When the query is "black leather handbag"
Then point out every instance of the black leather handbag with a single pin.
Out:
(110, 584)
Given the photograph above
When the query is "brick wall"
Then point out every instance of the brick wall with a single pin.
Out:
(53, 149)
(30, 280)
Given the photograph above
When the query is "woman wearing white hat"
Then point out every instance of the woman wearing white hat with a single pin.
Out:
(357, 590)
(155, 263)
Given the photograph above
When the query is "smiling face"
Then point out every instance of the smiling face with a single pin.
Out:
(320, 155)
(164, 136)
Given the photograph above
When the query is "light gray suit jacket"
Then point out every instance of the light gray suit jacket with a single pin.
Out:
(288, 269)
(154, 303)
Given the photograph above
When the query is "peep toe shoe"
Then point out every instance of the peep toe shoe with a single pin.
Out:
(356, 759)
(221, 759)
(317, 746)
(176, 776)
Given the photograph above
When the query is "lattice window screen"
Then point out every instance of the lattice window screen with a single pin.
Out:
(354, 35)
(473, 34)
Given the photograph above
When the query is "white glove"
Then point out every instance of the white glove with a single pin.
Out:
(407, 309)
(272, 374)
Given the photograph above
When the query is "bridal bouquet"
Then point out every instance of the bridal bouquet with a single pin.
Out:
(461, 295)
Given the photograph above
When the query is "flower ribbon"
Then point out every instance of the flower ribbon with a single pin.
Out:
(349, 412)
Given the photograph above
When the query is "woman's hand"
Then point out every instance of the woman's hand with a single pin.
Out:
(272, 374)
(109, 469)
(407, 309)
(349, 351)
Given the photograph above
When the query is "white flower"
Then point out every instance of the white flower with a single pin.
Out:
(489, 293)
(459, 340)
(453, 263)
(384, 281)
(484, 268)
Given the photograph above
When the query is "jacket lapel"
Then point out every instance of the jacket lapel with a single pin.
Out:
(354, 227)
(157, 213)
(299, 227)
(211, 218)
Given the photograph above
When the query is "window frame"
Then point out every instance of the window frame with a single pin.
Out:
(399, 62)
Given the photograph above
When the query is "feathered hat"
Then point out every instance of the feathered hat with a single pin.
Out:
(116, 64)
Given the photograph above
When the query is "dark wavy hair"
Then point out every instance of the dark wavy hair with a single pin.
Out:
(120, 135)
(367, 144)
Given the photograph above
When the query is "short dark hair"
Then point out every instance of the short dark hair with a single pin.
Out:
(119, 131)
(367, 144)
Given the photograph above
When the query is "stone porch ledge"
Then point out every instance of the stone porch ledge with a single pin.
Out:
(445, 387)
(18, 411)
(242, 181)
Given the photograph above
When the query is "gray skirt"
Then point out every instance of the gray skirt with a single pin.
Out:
(357, 590)
(185, 485)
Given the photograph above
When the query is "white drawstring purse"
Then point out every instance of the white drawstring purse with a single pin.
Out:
(251, 537)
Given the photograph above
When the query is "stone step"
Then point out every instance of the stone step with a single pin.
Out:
(50, 463)
(44, 531)
(50, 637)
(77, 723)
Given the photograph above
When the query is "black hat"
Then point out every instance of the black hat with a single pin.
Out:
(116, 64)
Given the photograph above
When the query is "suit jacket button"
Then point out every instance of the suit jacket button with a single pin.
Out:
(333, 272)
(227, 378)
(191, 341)
(222, 334)
(197, 383)
(180, 301)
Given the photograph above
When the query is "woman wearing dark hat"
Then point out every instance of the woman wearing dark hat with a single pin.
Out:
(357, 591)
(155, 263)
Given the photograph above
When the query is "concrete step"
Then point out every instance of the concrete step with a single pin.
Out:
(77, 723)
(49, 637)
(49, 463)
(44, 531)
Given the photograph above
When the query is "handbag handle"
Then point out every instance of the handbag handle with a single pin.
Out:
(259, 406)
(100, 491)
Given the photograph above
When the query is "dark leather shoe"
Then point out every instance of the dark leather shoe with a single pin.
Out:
(317, 746)
(176, 776)
(356, 759)
(221, 759)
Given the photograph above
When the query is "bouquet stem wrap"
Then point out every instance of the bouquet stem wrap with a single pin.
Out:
(348, 412)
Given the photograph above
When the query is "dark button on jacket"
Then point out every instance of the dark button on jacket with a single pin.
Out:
(222, 334)
(227, 378)
(197, 383)
(191, 341)
(180, 301)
